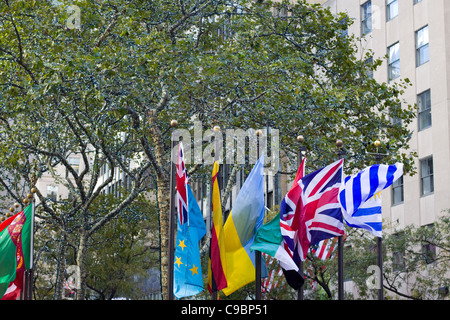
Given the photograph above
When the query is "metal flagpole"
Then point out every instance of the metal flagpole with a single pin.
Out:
(31, 270)
(379, 157)
(300, 139)
(172, 225)
(216, 129)
(380, 266)
(28, 273)
(258, 253)
(339, 145)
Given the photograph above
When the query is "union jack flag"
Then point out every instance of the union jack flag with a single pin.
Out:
(310, 211)
(182, 181)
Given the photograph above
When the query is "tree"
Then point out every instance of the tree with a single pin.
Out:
(103, 80)
(416, 261)
(123, 251)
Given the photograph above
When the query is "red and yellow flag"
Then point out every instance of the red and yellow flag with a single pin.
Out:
(216, 264)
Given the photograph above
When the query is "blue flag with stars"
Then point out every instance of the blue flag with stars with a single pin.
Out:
(188, 280)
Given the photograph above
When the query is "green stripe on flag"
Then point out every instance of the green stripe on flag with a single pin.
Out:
(268, 238)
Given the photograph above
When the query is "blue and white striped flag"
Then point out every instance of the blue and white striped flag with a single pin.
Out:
(360, 198)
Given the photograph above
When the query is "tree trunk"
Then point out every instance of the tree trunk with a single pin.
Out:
(163, 160)
(81, 263)
(164, 212)
(60, 271)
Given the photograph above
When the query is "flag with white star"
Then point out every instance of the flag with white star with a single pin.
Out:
(188, 280)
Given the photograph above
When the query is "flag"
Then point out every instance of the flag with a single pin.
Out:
(245, 218)
(311, 212)
(269, 239)
(325, 248)
(217, 263)
(188, 280)
(361, 206)
(273, 281)
(182, 181)
(15, 250)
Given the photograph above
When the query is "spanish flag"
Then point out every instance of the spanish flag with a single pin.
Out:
(216, 264)
(245, 219)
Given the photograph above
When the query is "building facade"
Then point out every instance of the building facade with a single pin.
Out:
(414, 35)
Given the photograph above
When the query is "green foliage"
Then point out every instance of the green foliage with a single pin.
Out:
(416, 261)
(107, 90)
(124, 250)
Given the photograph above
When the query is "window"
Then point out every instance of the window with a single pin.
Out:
(270, 199)
(369, 67)
(424, 109)
(428, 244)
(391, 9)
(426, 176)
(394, 61)
(394, 115)
(398, 255)
(397, 191)
(422, 46)
(74, 163)
(417, 1)
(366, 18)
(343, 22)
(52, 192)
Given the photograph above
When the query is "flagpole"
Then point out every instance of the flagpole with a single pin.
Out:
(258, 253)
(216, 129)
(31, 270)
(28, 273)
(378, 158)
(300, 139)
(173, 183)
(339, 145)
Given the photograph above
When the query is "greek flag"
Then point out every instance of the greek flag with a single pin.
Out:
(360, 198)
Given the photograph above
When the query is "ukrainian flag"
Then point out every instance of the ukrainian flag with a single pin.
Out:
(246, 217)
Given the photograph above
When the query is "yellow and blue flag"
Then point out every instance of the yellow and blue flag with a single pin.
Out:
(245, 219)
(188, 280)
